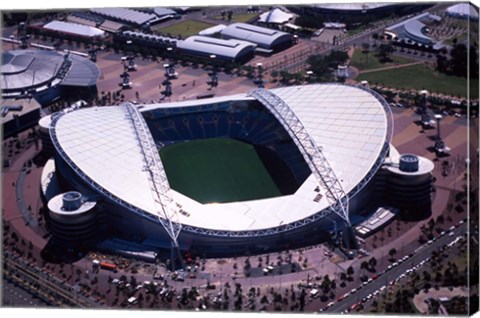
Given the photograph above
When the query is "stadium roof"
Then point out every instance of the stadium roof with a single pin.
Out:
(22, 69)
(264, 37)
(350, 124)
(82, 73)
(74, 28)
(463, 10)
(126, 15)
(231, 49)
(276, 15)
(353, 6)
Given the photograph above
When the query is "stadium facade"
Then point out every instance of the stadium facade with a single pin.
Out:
(333, 141)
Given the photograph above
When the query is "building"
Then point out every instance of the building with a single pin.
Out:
(463, 11)
(414, 29)
(145, 39)
(46, 75)
(127, 16)
(276, 16)
(74, 29)
(330, 141)
(235, 51)
(267, 40)
(370, 8)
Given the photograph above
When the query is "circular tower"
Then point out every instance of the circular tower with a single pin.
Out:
(72, 217)
(409, 184)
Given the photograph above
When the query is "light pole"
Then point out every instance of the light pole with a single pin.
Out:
(260, 75)
(12, 37)
(213, 74)
(308, 76)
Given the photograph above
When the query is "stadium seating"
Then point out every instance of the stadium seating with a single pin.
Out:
(255, 125)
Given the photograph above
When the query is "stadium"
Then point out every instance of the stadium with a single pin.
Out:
(46, 75)
(260, 171)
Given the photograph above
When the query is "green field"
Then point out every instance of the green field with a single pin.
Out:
(185, 28)
(217, 170)
(420, 77)
(245, 17)
(364, 62)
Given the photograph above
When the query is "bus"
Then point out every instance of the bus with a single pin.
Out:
(108, 266)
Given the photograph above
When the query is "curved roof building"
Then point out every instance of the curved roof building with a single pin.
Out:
(43, 74)
(265, 38)
(333, 146)
(230, 50)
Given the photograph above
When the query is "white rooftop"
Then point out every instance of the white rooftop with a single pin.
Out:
(349, 124)
(353, 6)
(74, 28)
(463, 10)
(276, 15)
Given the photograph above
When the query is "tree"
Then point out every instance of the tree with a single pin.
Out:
(366, 50)
(442, 63)
(350, 271)
(384, 51)
(373, 262)
(364, 265)
(392, 252)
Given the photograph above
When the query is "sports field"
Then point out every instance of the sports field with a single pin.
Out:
(217, 170)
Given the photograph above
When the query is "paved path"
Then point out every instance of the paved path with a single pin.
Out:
(386, 68)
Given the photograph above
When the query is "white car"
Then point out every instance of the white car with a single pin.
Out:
(451, 234)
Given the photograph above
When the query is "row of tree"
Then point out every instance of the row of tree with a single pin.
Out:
(462, 61)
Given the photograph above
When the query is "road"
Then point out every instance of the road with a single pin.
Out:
(15, 296)
(392, 274)
(46, 286)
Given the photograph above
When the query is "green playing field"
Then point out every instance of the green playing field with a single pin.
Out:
(217, 170)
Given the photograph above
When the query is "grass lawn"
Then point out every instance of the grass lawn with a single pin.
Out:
(185, 28)
(359, 60)
(239, 17)
(421, 77)
(217, 170)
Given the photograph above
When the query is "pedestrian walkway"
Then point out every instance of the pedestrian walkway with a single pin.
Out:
(386, 68)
